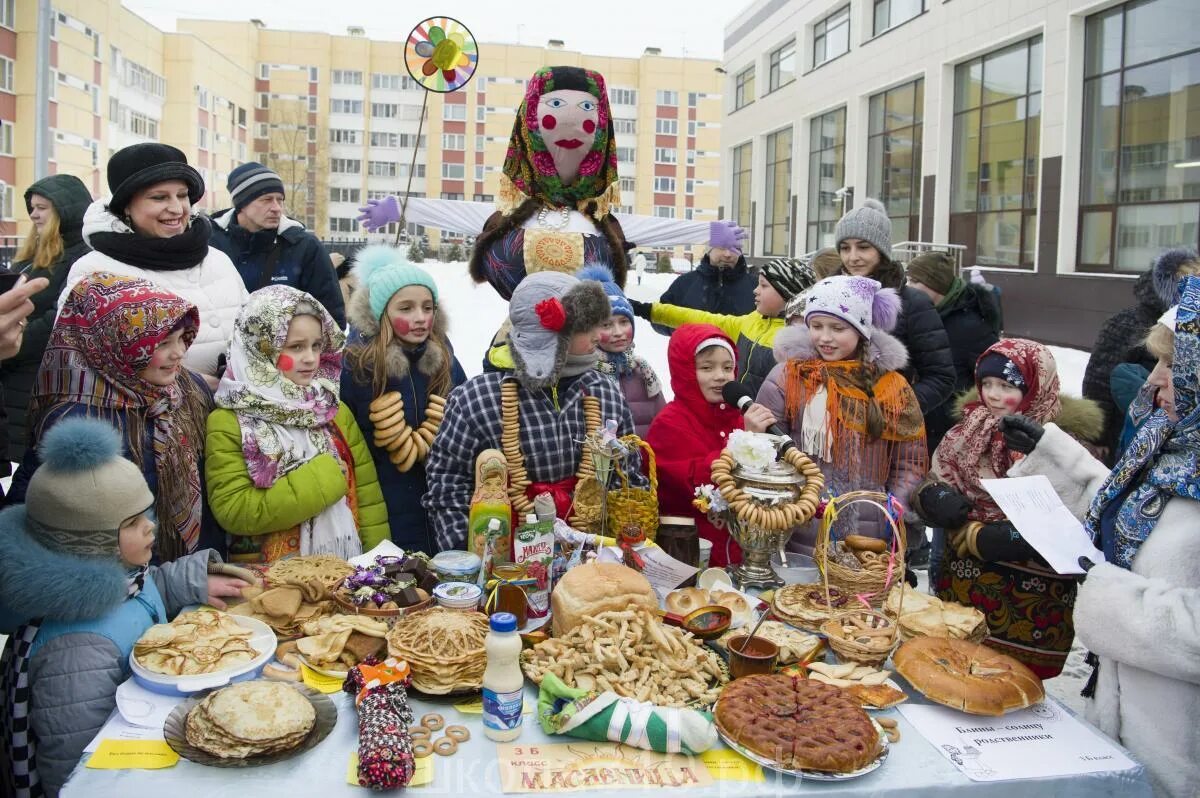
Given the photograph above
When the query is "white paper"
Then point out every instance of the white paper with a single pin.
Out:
(1043, 741)
(1034, 508)
(386, 548)
(117, 728)
(141, 707)
(663, 571)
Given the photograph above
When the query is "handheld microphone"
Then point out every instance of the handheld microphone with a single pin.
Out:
(736, 394)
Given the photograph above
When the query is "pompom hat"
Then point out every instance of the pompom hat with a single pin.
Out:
(868, 222)
(859, 301)
(84, 490)
(382, 271)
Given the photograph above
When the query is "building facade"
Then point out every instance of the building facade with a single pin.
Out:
(336, 116)
(1058, 141)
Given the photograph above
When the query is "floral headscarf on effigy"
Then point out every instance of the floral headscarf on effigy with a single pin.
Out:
(284, 425)
(530, 167)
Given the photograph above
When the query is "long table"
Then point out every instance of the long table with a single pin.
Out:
(913, 768)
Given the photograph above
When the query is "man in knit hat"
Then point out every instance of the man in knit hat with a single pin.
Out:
(76, 593)
(268, 247)
(971, 317)
(536, 413)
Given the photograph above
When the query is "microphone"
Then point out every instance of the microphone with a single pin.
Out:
(736, 394)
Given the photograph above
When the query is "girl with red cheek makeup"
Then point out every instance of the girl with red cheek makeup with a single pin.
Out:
(401, 368)
(289, 471)
(979, 558)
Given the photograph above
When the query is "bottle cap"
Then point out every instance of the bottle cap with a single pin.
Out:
(503, 622)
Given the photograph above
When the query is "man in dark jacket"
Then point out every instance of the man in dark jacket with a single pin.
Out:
(722, 283)
(971, 317)
(269, 248)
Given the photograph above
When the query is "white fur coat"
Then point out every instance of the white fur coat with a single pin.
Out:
(1144, 624)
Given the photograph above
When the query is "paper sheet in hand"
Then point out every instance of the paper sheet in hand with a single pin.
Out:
(1034, 508)
(1043, 741)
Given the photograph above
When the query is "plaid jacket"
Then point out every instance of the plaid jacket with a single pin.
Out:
(550, 441)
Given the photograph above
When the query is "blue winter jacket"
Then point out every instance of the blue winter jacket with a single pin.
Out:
(728, 292)
(302, 262)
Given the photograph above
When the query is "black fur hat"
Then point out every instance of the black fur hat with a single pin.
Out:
(1166, 272)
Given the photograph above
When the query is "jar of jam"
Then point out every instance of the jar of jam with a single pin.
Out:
(510, 598)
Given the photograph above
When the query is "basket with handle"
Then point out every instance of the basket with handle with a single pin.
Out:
(869, 586)
(630, 505)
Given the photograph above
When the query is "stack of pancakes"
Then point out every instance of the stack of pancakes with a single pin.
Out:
(250, 719)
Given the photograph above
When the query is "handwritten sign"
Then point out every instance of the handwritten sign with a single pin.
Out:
(586, 765)
(1043, 741)
(133, 754)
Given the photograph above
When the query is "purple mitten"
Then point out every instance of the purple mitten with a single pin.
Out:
(726, 234)
(377, 214)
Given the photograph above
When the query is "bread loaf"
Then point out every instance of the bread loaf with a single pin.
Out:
(596, 587)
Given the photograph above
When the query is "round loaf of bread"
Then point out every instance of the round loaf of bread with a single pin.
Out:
(597, 587)
(967, 676)
(686, 599)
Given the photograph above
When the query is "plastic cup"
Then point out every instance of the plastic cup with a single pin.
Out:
(705, 553)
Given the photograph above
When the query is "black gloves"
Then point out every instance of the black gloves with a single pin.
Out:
(1021, 434)
(941, 505)
(641, 309)
(998, 542)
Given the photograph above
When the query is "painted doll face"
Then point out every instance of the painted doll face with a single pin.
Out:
(568, 119)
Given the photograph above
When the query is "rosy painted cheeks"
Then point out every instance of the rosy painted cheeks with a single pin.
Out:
(401, 326)
(549, 122)
(589, 126)
(285, 363)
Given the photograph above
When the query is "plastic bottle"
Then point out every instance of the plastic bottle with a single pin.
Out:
(503, 682)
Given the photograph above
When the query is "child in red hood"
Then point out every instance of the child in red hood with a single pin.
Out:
(690, 432)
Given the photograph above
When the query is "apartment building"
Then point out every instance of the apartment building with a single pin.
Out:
(1057, 140)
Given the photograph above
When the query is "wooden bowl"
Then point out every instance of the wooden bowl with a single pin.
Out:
(350, 608)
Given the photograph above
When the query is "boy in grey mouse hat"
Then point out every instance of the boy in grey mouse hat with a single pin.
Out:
(545, 311)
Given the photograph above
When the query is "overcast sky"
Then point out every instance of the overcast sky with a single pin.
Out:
(693, 28)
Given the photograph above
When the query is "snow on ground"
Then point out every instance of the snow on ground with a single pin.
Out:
(477, 311)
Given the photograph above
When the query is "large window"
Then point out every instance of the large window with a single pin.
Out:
(994, 183)
(740, 204)
(890, 13)
(894, 156)
(743, 88)
(782, 63)
(826, 174)
(831, 36)
(777, 226)
(347, 77)
(1140, 176)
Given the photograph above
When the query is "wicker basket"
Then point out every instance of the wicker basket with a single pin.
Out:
(637, 506)
(848, 649)
(871, 587)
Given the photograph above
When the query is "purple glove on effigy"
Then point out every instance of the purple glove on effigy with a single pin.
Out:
(726, 234)
(377, 214)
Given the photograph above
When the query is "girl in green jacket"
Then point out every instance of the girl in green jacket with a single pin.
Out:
(779, 283)
(287, 465)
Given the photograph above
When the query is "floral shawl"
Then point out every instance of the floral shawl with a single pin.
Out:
(105, 335)
(284, 425)
(976, 444)
(1163, 460)
(528, 166)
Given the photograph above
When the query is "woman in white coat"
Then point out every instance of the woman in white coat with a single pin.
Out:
(1139, 612)
(147, 230)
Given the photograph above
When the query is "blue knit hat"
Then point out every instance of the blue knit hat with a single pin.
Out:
(382, 271)
(616, 297)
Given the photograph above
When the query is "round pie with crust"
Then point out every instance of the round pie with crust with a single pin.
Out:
(967, 676)
(800, 724)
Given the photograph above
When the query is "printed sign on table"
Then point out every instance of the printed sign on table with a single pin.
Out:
(587, 765)
(1042, 741)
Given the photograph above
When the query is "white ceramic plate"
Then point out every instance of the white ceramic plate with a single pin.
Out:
(263, 641)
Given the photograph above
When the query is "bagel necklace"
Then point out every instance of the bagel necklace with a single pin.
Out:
(406, 446)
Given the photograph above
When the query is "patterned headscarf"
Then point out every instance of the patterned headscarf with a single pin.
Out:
(1163, 460)
(977, 440)
(105, 335)
(284, 425)
(528, 163)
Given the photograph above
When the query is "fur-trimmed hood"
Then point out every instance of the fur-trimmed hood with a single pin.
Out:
(364, 328)
(32, 580)
(884, 350)
(1082, 419)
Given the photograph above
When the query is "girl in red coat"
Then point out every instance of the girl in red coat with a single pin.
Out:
(690, 432)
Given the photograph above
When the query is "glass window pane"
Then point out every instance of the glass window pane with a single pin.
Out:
(968, 81)
(904, 10)
(1033, 134)
(1095, 245)
(1160, 28)
(1035, 65)
(999, 239)
(838, 40)
(1102, 52)
(1005, 73)
(1160, 128)
(965, 182)
(1101, 115)
(876, 115)
(919, 101)
(814, 185)
(900, 102)
(1144, 231)
(881, 16)
(875, 161)
(1029, 240)
(898, 173)
(900, 229)
(1002, 157)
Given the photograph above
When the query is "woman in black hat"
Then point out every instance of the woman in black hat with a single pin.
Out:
(147, 229)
